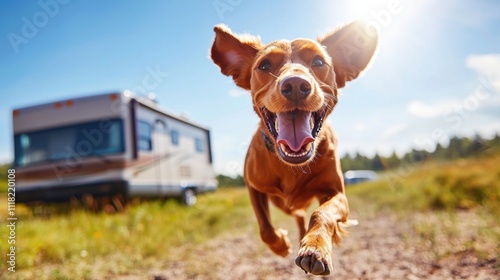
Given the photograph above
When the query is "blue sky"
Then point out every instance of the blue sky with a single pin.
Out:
(436, 72)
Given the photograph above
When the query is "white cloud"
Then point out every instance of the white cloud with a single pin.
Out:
(487, 66)
(231, 167)
(419, 109)
(360, 126)
(393, 131)
(488, 129)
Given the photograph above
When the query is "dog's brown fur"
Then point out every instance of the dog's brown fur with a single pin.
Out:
(289, 79)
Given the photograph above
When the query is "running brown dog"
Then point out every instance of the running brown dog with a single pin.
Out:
(292, 158)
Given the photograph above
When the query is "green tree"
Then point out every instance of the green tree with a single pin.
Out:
(227, 181)
(440, 152)
(346, 162)
(377, 163)
(392, 161)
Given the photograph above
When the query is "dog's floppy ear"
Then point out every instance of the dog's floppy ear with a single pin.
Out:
(234, 54)
(351, 48)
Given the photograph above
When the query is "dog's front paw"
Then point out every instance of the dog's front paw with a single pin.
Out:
(314, 256)
(283, 245)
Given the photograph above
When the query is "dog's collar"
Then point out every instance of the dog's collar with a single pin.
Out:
(269, 144)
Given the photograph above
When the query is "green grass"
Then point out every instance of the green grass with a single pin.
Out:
(3, 177)
(78, 243)
(3, 185)
(462, 184)
(452, 206)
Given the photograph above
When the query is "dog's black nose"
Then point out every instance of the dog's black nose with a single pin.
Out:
(295, 88)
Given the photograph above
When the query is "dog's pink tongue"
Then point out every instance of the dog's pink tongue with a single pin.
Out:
(294, 129)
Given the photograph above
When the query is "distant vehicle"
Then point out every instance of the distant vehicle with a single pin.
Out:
(109, 144)
(357, 176)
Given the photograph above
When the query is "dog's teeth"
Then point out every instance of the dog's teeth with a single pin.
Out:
(311, 122)
(276, 125)
(283, 147)
(287, 152)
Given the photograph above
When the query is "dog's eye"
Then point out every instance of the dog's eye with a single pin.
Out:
(318, 61)
(265, 65)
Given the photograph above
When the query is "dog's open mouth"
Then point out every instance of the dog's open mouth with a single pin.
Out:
(294, 132)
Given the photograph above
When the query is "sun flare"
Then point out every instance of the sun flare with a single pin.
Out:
(391, 18)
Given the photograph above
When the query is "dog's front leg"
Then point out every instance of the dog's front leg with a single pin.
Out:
(277, 240)
(325, 228)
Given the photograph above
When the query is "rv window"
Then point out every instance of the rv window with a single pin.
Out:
(174, 135)
(144, 136)
(77, 141)
(199, 145)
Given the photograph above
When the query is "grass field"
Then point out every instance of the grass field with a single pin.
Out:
(462, 184)
(452, 207)
(78, 243)
(3, 177)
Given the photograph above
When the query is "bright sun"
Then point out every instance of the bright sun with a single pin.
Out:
(382, 13)
(367, 9)
(391, 18)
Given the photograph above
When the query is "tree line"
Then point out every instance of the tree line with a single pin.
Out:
(458, 147)
(228, 181)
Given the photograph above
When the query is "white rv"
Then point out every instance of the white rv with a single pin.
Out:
(109, 144)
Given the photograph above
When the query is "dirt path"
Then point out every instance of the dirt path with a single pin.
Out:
(375, 249)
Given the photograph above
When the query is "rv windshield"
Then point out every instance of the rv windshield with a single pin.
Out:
(73, 142)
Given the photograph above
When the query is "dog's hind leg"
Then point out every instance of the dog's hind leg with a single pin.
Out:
(299, 214)
(276, 239)
(300, 217)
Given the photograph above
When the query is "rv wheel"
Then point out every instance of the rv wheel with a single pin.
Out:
(189, 197)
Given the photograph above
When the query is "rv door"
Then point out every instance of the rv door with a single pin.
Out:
(162, 155)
